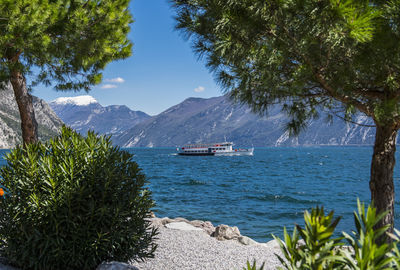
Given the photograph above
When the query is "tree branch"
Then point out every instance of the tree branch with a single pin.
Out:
(351, 121)
(330, 91)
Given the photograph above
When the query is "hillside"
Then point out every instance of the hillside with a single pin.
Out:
(10, 124)
(208, 120)
(84, 113)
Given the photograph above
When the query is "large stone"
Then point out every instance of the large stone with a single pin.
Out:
(166, 220)
(207, 226)
(156, 222)
(183, 226)
(224, 232)
(273, 244)
(246, 240)
(181, 219)
(116, 266)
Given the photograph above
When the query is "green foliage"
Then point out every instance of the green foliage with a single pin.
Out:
(367, 253)
(396, 252)
(253, 266)
(72, 203)
(66, 42)
(340, 57)
(360, 18)
(305, 55)
(320, 251)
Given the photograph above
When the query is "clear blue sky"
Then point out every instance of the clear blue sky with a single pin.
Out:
(162, 72)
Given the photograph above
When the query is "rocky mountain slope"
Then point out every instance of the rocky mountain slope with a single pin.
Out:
(10, 123)
(210, 120)
(84, 113)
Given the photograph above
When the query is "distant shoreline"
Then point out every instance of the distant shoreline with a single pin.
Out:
(257, 147)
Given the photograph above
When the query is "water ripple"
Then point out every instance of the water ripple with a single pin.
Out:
(263, 193)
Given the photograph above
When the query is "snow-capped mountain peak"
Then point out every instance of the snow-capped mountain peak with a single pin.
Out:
(79, 100)
(84, 113)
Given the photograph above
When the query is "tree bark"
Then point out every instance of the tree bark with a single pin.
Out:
(381, 182)
(25, 106)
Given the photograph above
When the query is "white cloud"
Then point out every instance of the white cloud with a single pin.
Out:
(108, 86)
(115, 80)
(79, 100)
(199, 89)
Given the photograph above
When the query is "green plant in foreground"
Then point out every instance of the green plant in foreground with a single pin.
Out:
(72, 203)
(366, 253)
(253, 266)
(318, 251)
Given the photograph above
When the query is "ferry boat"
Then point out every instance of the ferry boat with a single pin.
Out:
(213, 149)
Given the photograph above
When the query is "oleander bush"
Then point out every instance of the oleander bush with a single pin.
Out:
(73, 202)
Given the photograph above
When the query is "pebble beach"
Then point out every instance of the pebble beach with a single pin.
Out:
(186, 247)
(190, 250)
(189, 245)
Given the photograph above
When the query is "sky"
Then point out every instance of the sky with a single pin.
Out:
(162, 71)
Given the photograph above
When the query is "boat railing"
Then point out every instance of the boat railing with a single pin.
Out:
(224, 144)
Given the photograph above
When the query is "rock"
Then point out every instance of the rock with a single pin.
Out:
(152, 215)
(115, 266)
(273, 244)
(10, 121)
(156, 222)
(300, 243)
(181, 219)
(224, 232)
(246, 240)
(166, 220)
(207, 226)
(183, 226)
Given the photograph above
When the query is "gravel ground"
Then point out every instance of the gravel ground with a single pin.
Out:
(196, 250)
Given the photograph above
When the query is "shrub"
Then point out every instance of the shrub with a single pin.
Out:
(320, 251)
(72, 203)
(366, 252)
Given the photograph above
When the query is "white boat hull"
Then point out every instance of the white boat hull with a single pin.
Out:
(247, 152)
(214, 149)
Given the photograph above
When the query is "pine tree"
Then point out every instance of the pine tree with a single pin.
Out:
(64, 43)
(308, 55)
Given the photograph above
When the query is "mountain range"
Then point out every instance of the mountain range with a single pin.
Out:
(218, 119)
(192, 121)
(10, 124)
(84, 113)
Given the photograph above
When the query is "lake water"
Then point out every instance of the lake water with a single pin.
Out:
(262, 193)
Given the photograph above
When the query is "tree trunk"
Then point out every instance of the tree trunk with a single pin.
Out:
(381, 182)
(25, 106)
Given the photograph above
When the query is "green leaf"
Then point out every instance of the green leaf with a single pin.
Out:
(65, 211)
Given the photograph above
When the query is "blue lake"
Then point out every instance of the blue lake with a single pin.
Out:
(262, 193)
